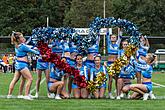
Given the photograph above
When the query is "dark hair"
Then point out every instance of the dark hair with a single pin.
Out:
(79, 55)
(97, 56)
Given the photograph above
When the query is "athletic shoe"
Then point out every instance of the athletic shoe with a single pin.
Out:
(152, 96)
(145, 96)
(58, 97)
(32, 96)
(20, 96)
(27, 98)
(51, 95)
(111, 96)
(36, 96)
(9, 96)
(122, 95)
(118, 98)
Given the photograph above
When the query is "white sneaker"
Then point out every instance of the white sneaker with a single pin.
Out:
(9, 96)
(145, 96)
(27, 98)
(111, 96)
(51, 95)
(118, 98)
(152, 96)
(32, 96)
(58, 97)
(122, 95)
(128, 96)
(20, 96)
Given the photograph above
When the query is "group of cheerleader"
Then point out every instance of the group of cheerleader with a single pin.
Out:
(61, 85)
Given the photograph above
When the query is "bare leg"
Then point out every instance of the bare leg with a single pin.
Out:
(102, 92)
(70, 85)
(119, 86)
(15, 79)
(26, 74)
(47, 78)
(39, 76)
(138, 76)
(22, 83)
(84, 93)
(110, 84)
(96, 94)
(140, 88)
(76, 93)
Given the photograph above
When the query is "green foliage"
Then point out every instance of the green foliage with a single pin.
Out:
(24, 15)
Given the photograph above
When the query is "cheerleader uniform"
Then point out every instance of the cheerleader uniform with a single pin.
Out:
(56, 74)
(83, 71)
(94, 73)
(146, 73)
(73, 49)
(142, 51)
(112, 48)
(22, 51)
(127, 72)
(94, 50)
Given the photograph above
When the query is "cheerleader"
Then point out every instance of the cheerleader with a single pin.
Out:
(146, 86)
(42, 66)
(113, 46)
(55, 84)
(140, 55)
(126, 73)
(124, 79)
(73, 53)
(77, 91)
(92, 52)
(99, 93)
(21, 65)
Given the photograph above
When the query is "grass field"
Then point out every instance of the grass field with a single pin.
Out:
(79, 104)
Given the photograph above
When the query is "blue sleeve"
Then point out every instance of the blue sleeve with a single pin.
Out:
(141, 66)
(91, 74)
(27, 49)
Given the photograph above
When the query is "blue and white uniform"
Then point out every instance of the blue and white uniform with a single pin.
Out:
(55, 73)
(121, 53)
(83, 71)
(112, 48)
(22, 51)
(94, 50)
(57, 47)
(127, 72)
(146, 73)
(94, 72)
(42, 65)
(73, 49)
(142, 51)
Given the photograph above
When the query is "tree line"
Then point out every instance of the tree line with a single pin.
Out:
(24, 15)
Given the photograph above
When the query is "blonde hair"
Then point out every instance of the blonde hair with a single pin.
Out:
(15, 36)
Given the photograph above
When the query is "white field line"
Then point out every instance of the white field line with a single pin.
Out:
(31, 91)
(160, 85)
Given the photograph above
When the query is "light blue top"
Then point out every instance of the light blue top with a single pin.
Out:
(146, 69)
(23, 49)
(127, 72)
(55, 73)
(113, 48)
(95, 47)
(94, 72)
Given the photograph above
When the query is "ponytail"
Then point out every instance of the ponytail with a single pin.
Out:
(15, 36)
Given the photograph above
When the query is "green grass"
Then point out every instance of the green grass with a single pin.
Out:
(78, 104)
